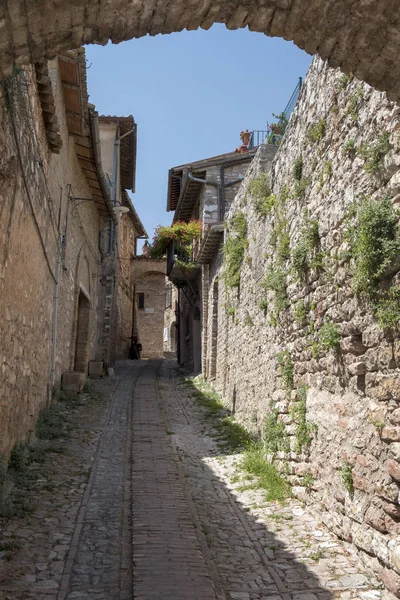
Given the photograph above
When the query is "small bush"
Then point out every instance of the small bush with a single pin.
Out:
(300, 188)
(375, 245)
(349, 146)
(275, 281)
(303, 429)
(298, 168)
(18, 460)
(264, 206)
(353, 104)
(260, 186)
(286, 369)
(283, 247)
(386, 308)
(300, 312)
(316, 132)
(230, 311)
(373, 154)
(329, 336)
(275, 436)
(300, 260)
(328, 169)
(346, 473)
(343, 82)
(234, 249)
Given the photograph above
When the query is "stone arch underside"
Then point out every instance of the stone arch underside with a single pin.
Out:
(361, 37)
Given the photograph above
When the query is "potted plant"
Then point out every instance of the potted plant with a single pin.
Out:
(245, 137)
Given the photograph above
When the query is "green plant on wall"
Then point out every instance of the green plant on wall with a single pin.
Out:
(375, 249)
(286, 368)
(354, 104)
(316, 132)
(349, 146)
(329, 336)
(274, 433)
(260, 190)
(346, 473)
(234, 250)
(303, 429)
(374, 154)
(298, 168)
(275, 281)
(343, 82)
(300, 312)
(304, 255)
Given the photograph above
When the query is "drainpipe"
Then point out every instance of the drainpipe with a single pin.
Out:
(55, 310)
(117, 145)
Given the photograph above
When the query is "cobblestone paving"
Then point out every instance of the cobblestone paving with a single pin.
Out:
(140, 505)
(76, 544)
(260, 550)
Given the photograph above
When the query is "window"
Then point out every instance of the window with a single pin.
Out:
(168, 296)
(141, 300)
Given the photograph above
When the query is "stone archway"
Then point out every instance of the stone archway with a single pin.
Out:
(360, 37)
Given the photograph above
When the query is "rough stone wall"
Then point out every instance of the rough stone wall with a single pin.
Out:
(148, 278)
(124, 290)
(170, 317)
(35, 186)
(351, 468)
(361, 37)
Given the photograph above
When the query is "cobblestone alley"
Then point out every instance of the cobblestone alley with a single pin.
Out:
(139, 503)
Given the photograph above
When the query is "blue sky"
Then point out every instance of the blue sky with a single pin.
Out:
(191, 93)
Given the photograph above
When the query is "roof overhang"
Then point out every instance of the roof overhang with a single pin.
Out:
(178, 179)
(128, 148)
(82, 125)
(210, 243)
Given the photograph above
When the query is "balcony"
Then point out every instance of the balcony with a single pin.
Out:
(181, 265)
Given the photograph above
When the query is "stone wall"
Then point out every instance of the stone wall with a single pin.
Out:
(294, 343)
(170, 318)
(148, 278)
(36, 186)
(360, 37)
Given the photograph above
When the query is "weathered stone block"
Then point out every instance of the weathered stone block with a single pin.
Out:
(392, 581)
(73, 382)
(95, 368)
(376, 518)
(358, 368)
(391, 434)
(393, 468)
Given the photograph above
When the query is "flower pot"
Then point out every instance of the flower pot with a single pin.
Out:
(246, 139)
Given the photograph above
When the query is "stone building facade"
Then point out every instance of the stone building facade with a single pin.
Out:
(148, 285)
(293, 348)
(170, 318)
(201, 190)
(118, 149)
(57, 215)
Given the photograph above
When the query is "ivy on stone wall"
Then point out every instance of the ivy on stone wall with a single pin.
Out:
(234, 249)
(375, 249)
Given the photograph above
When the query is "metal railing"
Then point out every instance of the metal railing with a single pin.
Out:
(178, 251)
(268, 136)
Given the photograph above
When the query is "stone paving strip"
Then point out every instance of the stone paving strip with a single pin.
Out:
(77, 542)
(260, 549)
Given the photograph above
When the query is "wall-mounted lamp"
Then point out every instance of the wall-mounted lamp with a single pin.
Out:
(120, 210)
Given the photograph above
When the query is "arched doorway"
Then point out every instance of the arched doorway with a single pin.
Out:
(82, 333)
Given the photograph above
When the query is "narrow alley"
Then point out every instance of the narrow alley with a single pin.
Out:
(138, 502)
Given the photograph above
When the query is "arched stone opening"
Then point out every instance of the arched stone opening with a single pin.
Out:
(362, 38)
(82, 333)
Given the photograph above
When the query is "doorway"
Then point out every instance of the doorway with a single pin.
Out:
(82, 334)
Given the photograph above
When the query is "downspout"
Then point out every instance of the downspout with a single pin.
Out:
(55, 310)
